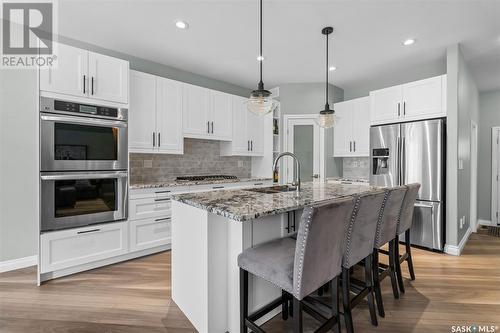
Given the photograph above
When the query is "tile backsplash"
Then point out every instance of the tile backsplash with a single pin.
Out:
(201, 157)
(356, 167)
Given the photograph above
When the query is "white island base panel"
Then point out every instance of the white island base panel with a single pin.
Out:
(205, 273)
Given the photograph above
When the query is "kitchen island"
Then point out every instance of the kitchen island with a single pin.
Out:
(210, 230)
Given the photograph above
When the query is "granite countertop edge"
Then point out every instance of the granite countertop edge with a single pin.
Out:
(174, 183)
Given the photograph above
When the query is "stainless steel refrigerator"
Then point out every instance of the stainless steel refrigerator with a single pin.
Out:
(408, 153)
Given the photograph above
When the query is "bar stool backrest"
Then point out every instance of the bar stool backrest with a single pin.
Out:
(406, 216)
(389, 215)
(360, 234)
(320, 245)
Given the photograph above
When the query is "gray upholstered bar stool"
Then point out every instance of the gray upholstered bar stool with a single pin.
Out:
(386, 229)
(404, 225)
(359, 247)
(299, 267)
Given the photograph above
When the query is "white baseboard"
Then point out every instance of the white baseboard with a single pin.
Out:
(457, 250)
(485, 222)
(10, 265)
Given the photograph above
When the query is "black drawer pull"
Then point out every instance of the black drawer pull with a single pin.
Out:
(216, 187)
(166, 191)
(258, 183)
(163, 219)
(87, 231)
(163, 199)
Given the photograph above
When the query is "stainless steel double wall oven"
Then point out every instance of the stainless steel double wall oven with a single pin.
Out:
(83, 163)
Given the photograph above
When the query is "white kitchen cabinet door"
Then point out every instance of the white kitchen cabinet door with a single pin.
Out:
(255, 128)
(142, 112)
(108, 78)
(423, 99)
(386, 105)
(342, 141)
(195, 110)
(361, 126)
(146, 234)
(169, 116)
(70, 77)
(240, 145)
(221, 120)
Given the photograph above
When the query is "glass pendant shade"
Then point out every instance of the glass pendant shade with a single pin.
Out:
(260, 102)
(326, 119)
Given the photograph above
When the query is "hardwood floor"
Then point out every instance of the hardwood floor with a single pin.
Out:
(135, 297)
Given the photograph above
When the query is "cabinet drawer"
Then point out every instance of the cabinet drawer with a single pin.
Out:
(146, 208)
(67, 248)
(149, 233)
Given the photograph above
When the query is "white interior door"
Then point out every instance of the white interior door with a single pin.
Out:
(303, 139)
(473, 177)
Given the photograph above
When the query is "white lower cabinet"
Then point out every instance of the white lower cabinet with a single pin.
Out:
(148, 233)
(68, 248)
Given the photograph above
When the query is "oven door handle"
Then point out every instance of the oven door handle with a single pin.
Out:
(85, 175)
(84, 120)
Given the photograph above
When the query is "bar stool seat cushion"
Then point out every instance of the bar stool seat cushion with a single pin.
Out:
(272, 261)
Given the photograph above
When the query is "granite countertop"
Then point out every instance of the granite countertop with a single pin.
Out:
(175, 183)
(349, 179)
(243, 205)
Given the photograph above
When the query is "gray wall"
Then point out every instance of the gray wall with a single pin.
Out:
(201, 157)
(463, 107)
(154, 68)
(18, 164)
(306, 98)
(489, 116)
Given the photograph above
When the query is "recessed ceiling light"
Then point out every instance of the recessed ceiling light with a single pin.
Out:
(332, 68)
(260, 58)
(181, 24)
(409, 41)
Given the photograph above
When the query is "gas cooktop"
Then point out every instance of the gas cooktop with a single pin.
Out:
(205, 178)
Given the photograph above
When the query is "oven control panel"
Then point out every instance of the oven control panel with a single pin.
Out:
(88, 110)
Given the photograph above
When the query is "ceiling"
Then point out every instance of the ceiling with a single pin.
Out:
(222, 39)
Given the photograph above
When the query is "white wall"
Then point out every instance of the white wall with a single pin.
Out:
(18, 164)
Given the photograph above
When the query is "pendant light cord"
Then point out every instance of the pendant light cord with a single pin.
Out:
(261, 84)
(326, 105)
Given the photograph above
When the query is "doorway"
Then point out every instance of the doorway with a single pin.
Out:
(495, 189)
(473, 176)
(305, 138)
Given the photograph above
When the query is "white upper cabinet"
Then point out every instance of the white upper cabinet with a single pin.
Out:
(352, 128)
(196, 106)
(108, 78)
(248, 131)
(155, 115)
(87, 74)
(423, 99)
(169, 116)
(70, 77)
(142, 112)
(221, 120)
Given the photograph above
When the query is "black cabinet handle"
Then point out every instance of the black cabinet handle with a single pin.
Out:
(248, 145)
(84, 81)
(163, 219)
(92, 85)
(404, 108)
(258, 183)
(208, 127)
(216, 187)
(159, 141)
(163, 199)
(251, 145)
(166, 191)
(399, 109)
(350, 146)
(212, 127)
(154, 143)
(87, 231)
(354, 144)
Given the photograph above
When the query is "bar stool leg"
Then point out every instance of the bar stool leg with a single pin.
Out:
(369, 285)
(398, 265)
(376, 284)
(408, 251)
(335, 303)
(284, 306)
(243, 300)
(297, 316)
(346, 299)
(392, 272)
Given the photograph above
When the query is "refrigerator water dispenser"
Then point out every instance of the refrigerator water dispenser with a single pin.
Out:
(380, 161)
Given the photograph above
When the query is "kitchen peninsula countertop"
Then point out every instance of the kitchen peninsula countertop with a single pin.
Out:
(176, 183)
(243, 205)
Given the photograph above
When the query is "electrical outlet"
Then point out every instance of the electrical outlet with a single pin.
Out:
(148, 163)
(240, 164)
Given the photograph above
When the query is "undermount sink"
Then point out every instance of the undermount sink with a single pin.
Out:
(273, 189)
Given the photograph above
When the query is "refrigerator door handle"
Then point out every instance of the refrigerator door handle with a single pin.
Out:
(403, 161)
(398, 161)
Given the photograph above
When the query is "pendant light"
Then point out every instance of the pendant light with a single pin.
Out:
(260, 101)
(326, 116)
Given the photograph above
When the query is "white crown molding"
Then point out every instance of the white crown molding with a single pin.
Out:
(457, 250)
(10, 265)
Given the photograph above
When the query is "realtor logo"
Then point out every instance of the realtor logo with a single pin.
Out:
(27, 33)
